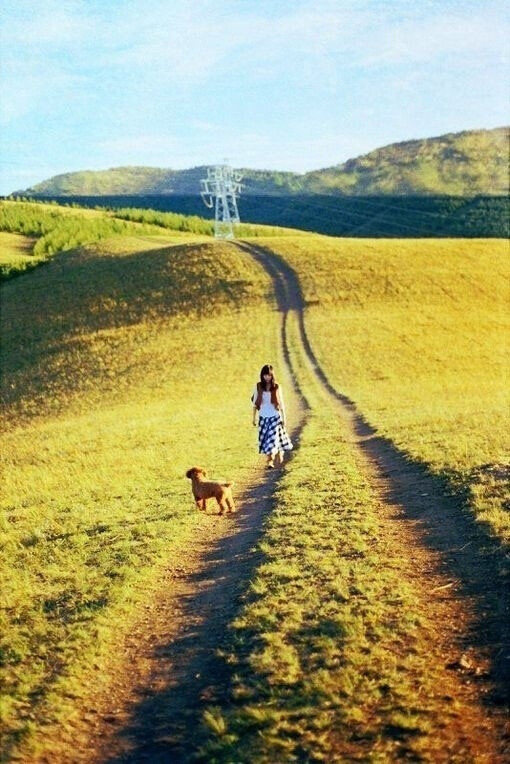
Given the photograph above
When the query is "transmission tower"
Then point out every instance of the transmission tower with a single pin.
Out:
(219, 189)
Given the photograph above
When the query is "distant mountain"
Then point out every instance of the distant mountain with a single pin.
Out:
(132, 181)
(465, 164)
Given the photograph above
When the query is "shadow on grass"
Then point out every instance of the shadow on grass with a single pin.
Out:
(48, 317)
(81, 292)
(468, 550)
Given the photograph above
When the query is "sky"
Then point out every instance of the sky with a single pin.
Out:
(268, 84)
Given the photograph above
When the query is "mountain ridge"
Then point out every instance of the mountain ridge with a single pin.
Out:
(467, 163)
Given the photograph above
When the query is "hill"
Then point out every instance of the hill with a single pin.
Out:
(111, 389)
(466, 164)
(155, 181)
(31, 233)
(122, 335)
(459, 164)
(369, 216)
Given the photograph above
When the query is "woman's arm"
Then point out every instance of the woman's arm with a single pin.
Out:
(279, 394)
(254, 398)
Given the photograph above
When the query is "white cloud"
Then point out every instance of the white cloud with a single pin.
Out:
(183, 43)
(199, 43)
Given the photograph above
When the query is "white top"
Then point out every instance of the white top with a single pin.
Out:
(266, 407)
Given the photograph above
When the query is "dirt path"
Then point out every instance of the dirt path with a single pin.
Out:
(173, 653)
(450, 561)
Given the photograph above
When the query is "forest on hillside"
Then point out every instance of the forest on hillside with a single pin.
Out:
(363, 216)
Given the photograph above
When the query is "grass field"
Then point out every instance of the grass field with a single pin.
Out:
(57, 228)
(416, 333)
(109, 402)
(127, 359)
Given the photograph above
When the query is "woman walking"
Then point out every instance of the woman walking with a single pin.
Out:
(267, 400)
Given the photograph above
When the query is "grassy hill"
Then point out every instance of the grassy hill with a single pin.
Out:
(416, 333)
(111, 385)
(16, 253)
(154, 181)
(467, 163)
(32, 232)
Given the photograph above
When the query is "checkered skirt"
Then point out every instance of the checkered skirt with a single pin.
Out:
(273, 437)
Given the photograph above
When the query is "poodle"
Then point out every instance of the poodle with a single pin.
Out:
(208, 489)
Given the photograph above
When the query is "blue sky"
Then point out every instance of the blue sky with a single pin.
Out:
(277, 84)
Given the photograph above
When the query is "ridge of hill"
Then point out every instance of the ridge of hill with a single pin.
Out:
(468, 163)
(156, 181)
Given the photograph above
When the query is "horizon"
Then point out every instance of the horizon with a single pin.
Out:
(272, 169)
(152, 83)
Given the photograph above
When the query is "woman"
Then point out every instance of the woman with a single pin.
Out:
(267, 400)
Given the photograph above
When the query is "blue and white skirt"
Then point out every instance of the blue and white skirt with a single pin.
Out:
(273, 437)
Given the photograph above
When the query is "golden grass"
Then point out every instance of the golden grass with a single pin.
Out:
(60, 228)
(126, 361)
(15, 245)
(51, 206)
(110, 398)
(416, 332)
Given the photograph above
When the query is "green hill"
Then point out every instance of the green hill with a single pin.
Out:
(468, 163)
(464, 164)
(154, 181)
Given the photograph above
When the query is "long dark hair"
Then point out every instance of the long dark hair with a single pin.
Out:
(267, 369)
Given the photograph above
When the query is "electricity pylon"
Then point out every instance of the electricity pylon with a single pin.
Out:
(219, 189)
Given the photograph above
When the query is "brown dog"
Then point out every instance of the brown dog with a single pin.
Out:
(208, 489)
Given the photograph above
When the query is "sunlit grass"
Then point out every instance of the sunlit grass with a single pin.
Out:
(60, 228)
(127, 360)
(195, 224)
(15, 245)
(108, 401)
(417, 334)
